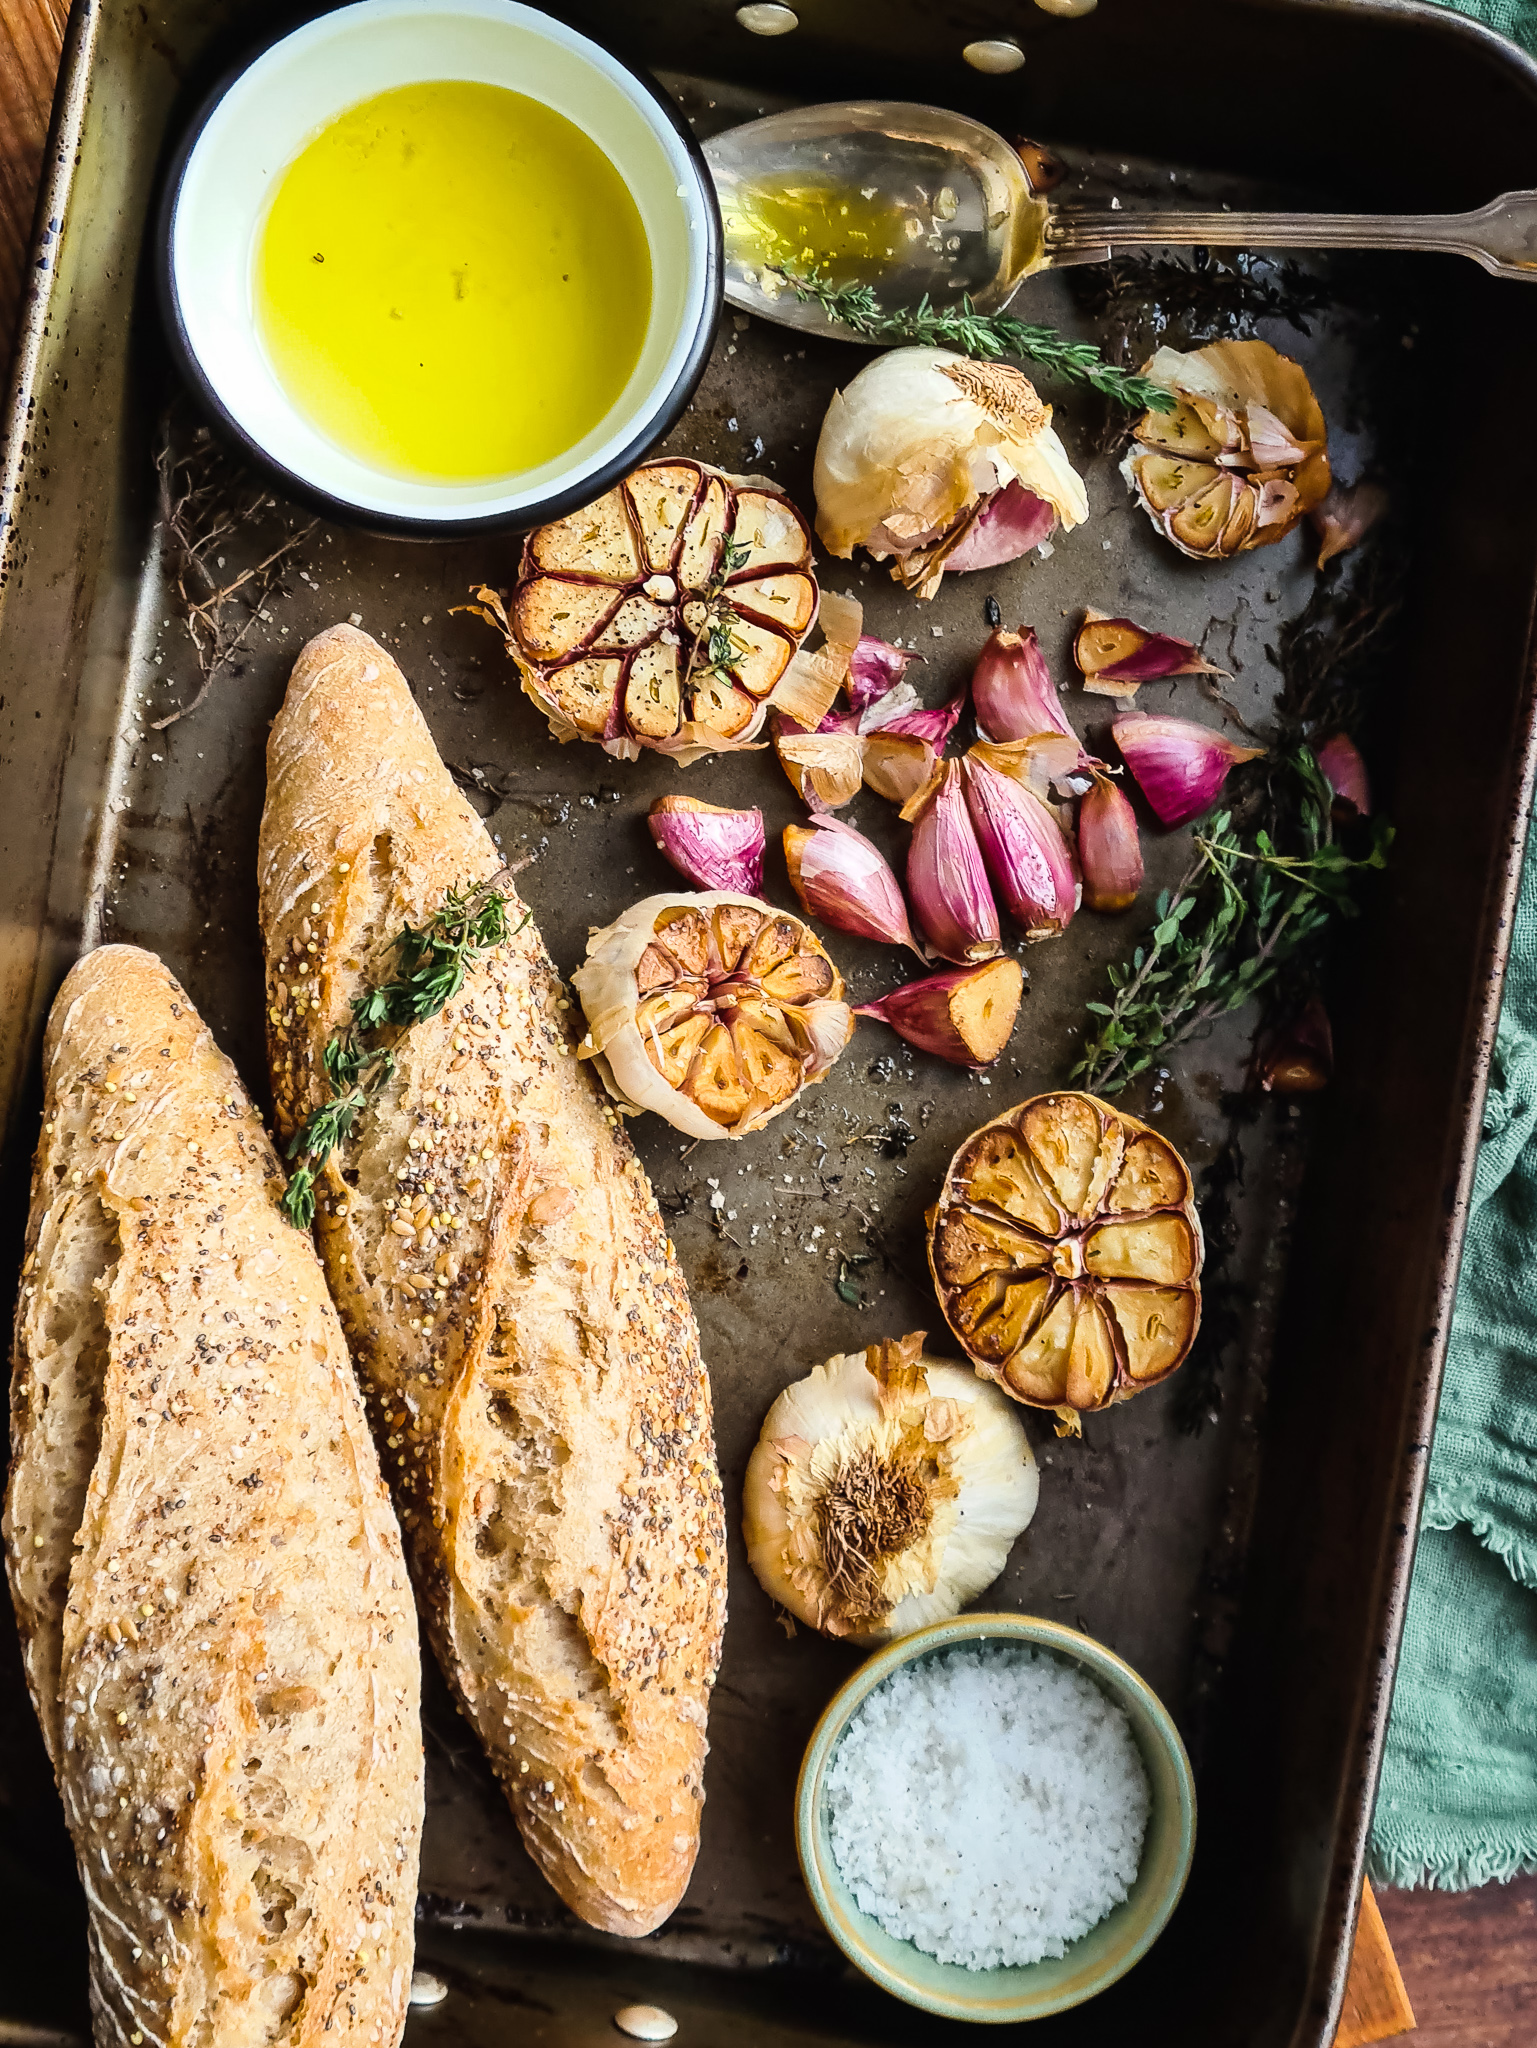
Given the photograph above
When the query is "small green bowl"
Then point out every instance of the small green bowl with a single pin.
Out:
(1107, 1951)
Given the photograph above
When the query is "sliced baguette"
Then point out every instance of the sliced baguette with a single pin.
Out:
(514, 1308)
(215, 1613)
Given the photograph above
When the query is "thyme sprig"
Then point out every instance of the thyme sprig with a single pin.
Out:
(431, 962)
(1258, 908)
(720, 645)
(984, 335)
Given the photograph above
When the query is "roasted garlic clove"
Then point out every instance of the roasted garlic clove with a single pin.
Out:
(1066, 1252)
(713, 1010)
(1241, 458)
(885, 1492)
(666, 615)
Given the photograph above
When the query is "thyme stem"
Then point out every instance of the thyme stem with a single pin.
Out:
(431, 963)
(984, 335)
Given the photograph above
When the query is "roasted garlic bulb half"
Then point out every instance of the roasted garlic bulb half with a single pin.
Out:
(1066, 1252)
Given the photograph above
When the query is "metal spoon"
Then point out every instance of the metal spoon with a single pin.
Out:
(926, 202)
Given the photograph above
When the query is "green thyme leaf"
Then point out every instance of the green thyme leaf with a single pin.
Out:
(986, 336)
(431, 963)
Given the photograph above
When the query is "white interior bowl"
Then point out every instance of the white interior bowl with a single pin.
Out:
(225, 175)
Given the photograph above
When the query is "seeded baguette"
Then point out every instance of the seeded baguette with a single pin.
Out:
(515, 1310)
(215, 1614)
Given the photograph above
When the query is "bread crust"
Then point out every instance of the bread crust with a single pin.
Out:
(215, 1613)
(516, 1312)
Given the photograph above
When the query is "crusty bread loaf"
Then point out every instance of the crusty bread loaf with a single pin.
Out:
(214, 1608)
(514, 1307)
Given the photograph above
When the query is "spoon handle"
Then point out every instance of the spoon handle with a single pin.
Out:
(1502, 236)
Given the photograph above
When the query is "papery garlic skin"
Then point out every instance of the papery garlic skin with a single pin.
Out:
(917, 442)
(875, 669)
(844, 880)
(1180, 766)
(713, 847)
(608, 986)
(951, 1440)
(947, 883)
(1024, 850)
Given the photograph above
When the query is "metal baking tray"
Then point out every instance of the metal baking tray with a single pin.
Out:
(1254, 1571)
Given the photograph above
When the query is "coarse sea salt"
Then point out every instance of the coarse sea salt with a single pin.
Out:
(988, 1805)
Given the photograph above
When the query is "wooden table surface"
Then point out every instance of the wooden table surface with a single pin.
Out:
(1468, 1960)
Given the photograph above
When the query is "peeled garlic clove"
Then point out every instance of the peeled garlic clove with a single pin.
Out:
(1012, 691)
(915, 444)
(710, 1009)
(1066, 1252)
(1243, 456)
(666, 615)
(1115, 656)
(844, 880)
(965, 1015)
(1341, 766)
(1027, 858)
(1109, 848)
(885, 1491)
(714, 848)
(1180, 766)
(946, 879)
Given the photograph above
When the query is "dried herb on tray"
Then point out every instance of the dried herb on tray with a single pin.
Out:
(1244, 908)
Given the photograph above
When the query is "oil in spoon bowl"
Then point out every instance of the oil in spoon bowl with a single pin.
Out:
(911, 200)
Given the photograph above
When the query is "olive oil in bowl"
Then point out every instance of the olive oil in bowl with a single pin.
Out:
(452, 282)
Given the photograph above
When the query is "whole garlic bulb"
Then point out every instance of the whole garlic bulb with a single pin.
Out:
(885, 1492)
(923, 448)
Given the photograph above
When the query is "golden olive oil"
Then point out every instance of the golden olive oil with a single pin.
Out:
(453, 282)
(835, 233)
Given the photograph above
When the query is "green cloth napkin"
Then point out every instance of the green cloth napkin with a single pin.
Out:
(1514, 18)
(1457, 1804)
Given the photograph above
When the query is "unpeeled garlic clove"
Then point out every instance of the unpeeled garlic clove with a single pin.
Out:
(1180, 766)
(1341, 766)
(714, 847)
(1346, 517)
(844, 880)
(1115, 656)
(1012, 692)
(946, 879)
(965, 1015)
(1298, 1059)
(1024, 850)
(1109, 848)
